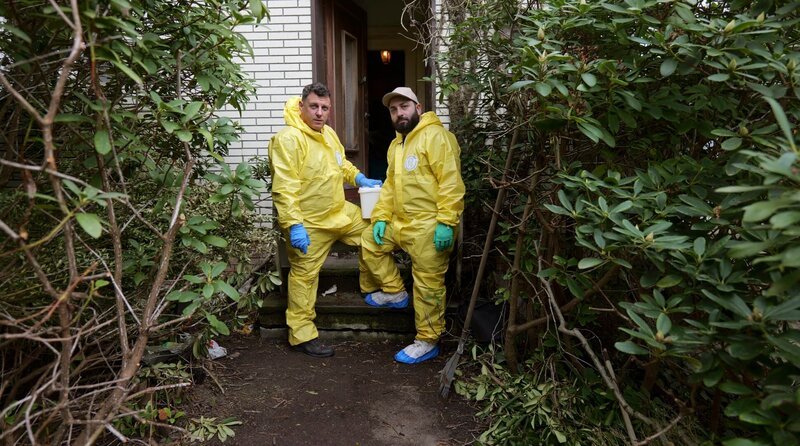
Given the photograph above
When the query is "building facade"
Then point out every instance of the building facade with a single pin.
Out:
(361, 49)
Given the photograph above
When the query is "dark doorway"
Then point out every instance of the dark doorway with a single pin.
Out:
(381, 79)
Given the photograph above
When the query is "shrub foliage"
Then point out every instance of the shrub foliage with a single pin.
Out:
(114, 229)
(653, 201)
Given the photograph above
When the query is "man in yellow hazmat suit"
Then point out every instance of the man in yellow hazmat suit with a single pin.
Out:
(308, 167)
(419, 207)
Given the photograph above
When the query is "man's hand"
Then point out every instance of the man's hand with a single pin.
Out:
(362, 181)
(378, 230)
(442, 237)
(298, 237)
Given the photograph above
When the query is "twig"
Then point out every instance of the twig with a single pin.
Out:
(672, 424)
(214, 378)
(610, 382)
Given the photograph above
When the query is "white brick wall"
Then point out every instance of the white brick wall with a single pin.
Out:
(442, 24)
(280, 67)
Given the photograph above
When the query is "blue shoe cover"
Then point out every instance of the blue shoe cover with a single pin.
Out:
(401, 356)
(398, 305)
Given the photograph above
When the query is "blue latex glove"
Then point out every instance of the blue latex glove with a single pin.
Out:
(298, 237)
(442, 237)
(362, 181)
(378, 230)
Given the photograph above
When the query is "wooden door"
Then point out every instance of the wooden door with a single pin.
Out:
(345, 49)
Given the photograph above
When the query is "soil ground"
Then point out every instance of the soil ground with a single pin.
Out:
(360, 396)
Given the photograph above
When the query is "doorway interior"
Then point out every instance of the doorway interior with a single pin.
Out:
(382, 76)
(349, 39)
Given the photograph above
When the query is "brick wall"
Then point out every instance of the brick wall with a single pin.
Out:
(280, 67)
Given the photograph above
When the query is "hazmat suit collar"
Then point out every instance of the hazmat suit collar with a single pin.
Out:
(291, 114)
(426, 119)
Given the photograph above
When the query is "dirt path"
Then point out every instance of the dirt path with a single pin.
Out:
(358, 397)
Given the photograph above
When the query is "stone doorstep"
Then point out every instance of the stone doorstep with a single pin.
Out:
(348, 312)
(341, 311)
(339, 335)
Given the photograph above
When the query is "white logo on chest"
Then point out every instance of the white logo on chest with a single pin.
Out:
(411, 163)
(338, 158)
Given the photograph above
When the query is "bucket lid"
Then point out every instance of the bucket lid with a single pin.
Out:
(369, 190)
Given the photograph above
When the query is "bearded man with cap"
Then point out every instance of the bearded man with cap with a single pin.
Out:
(419, 207)
(308, 167)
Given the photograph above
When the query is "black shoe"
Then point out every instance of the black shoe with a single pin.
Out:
(314, 348)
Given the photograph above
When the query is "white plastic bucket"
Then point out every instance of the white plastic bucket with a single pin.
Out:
(369, 197)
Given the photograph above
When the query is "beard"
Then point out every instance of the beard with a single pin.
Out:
(405, 127)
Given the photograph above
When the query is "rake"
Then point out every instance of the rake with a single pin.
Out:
(449, 370)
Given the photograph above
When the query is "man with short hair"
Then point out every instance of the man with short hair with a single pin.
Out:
(308, 167)
(419, 207)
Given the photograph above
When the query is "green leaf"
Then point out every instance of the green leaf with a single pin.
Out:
(208, 290)
(669, 281)
(217, 325)
(719, 77)
(746, 350)
(589, 262)
(784, 219)
(190, 111)
(733, 303)
(784, 311)
(780, 116)
(193, 279)
(213, 240)
(544, 89)
(73, 187)
(228, 290)
(519, 84)
(598, 239)
(741, 442)
(217, 269)
(731, 144)
(101, 142)
(668, 67)
(663, 324)
(738, 189)
(191, 307)
(15, 31)
(590, 131)
(257, 8)
(128, 72)
(71, 117)
(641, 323)
(100, 283)
(735, 388)
(699, 246)
(209, 138)
(184, 135)
(227, 189)
(181, 296)
(90, 223)
(741, 406)
(761, 210)
(631, 348)
(589, 78)
(170, 126)
(622, 207)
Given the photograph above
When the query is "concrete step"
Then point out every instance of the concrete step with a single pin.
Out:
(341, 269)
(341, 311)
(347, 312)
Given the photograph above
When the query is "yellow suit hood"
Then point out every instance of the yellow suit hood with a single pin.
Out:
(308, 169)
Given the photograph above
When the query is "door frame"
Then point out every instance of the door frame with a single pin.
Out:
(326, 62)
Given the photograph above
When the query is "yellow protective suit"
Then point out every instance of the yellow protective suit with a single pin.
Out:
(308, 173)
(423, 187)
